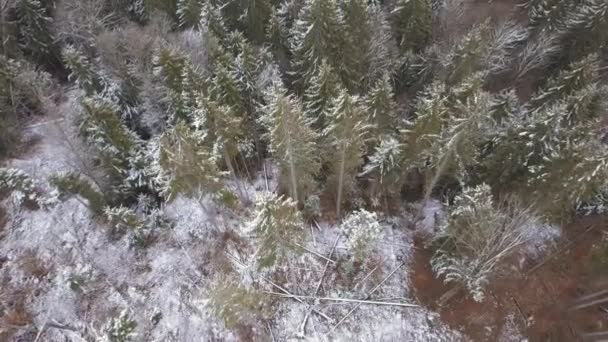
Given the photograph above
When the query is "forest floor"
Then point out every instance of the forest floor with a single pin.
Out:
(539, 302)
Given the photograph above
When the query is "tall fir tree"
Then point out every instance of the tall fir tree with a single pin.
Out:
(381, 106)
(382, 52)
(186, 166)
(293, 144)
(189, 12)
(323, 87)
(82, 72)
(347, 134)
(356, 43)
(278, 225)
(35, 35)
(316, 35)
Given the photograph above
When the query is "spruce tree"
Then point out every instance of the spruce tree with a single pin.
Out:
(381, 106)
(212, 21)
(323, 87)
(82, 71)
(185, 166)
(278, 226)
(316, 35)
(386, 167)
(347, 133)
(382, 52)
(356, 43)
(361, 229)
(293, 144)
(413, 24)
(35, 35)
(15, 180)
(277, 37)
(189, 12)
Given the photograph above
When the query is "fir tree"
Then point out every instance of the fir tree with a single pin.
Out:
(277, 37)
(347, 133)
(323, 88)
(355, 47)
(577, 76)
(212, 21)
(361, 229)
(121, 328)
(82, 72)
(381, 106)
(189, 12)
(385, 165)
(478, 235)
(413, 23)
(316, 35)
(185, 166)
(382, 51)
(293, 144)
(103, 130)
(237, 305)
(278, 226)
(33, 24)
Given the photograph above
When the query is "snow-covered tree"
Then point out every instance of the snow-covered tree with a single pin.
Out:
(278, 227)
(477, 236)
(381, 106)
(323, 87)
(355, 46)
(212, 21)
(182, 81)
(361, 229)
(576, 76)
(33, 24)
(413, 21)
(293, 145)
(82, 72)
(186, 166)
(277, 36)
(104, 131)
(347, 134)
(316, 35)
(382, 51)
(189, 12)
(386, 167)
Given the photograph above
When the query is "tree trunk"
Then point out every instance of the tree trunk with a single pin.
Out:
(340, 180)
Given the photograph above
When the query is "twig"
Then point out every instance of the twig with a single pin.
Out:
(315, 253)
(368, 295)
(560, 251)
(270, 331)
(314, 239)
(368, 274)
(348, 300)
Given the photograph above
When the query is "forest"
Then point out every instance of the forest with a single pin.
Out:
(303, 170)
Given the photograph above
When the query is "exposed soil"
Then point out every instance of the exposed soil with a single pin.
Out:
(540, 300)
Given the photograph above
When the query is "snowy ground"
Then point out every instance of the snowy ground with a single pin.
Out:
(85, 278)
(72, 278)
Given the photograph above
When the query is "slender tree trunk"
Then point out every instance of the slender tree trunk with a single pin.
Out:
(340, 180)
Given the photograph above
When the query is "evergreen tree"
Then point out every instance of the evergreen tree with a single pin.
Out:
(185, 166)
(121, 328)
(361, 229)
(477, 236)
(323, 88)
(82, 72)
(548, 14)
(347, 133)
(293, 144)
(189, 12)
(277, 37)
(355, 46)
(316, 35)
(413, 24)
(15, 180)
(381, 106)
(182, 81)
(386, 167)
(212, 21)
(576, 77)
(278, 226)
(33, 24)
(382, 51)
(104, 131)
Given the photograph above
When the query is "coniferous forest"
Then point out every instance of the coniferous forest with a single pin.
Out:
(315, 170)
